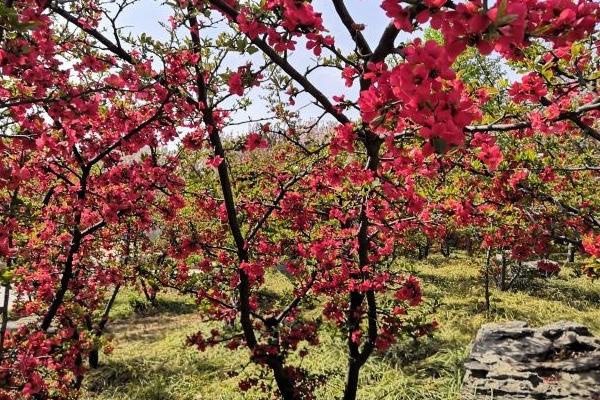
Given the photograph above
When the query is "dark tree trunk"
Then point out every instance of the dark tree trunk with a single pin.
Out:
(424, 250)
(571, 253)
(469, 247)
(420, 252)
(150, 295)
(283, 380)
(284, 383)
(487, 280)
(445, 248)
(352, 380)
(356, 358)
(5, 302)
(94, 358)
(76, 239)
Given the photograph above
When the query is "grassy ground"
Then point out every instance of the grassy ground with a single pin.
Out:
(151, 362)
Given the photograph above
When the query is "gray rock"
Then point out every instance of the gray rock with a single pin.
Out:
(16, 324)
(13, 325)
(514, 361)
(558, 328)
(532, 267)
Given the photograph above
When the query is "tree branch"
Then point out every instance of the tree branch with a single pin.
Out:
(112, 47)
(286, 66)
(573, 116)
(353, 28)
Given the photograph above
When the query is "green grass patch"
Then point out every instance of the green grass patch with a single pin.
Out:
(151, 361)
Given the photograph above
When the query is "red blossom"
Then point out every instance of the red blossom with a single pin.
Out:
(215, 161)
(235, 82)
(531, 88)
(410, 291)
(591, 244)
(255, 141)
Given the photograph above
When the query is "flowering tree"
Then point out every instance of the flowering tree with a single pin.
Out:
(536, 188)
(80, 155)
(334, 211)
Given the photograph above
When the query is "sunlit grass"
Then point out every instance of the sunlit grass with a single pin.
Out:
(151, 361)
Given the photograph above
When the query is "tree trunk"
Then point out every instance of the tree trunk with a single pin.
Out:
(352, 380)
(424, 250)
(571, 253)
(284, 383)
(469, 247)
(283, 380)
(76, 239)
(94, 358)
(420, 252)
(149, 295)
(445, 248)
(5, 302)
(356, 358)
(487, 280)
(503, 272)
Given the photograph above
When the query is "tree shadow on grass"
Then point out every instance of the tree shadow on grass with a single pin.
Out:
(581, 298)
(459, 284)
(430, 354)
(163, 306)
(144, 378)
(438, 260)
(149, 330)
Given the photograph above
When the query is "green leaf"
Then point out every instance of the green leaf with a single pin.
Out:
(6, 276)
(576, 49)
(501, 9)
(240, 44)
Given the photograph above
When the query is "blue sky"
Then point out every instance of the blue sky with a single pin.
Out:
(145, 16)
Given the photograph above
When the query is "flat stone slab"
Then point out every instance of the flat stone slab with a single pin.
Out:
(16, 324)
(515, 361)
